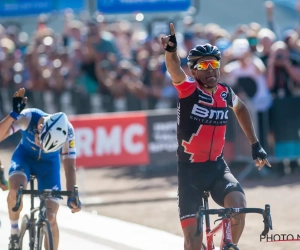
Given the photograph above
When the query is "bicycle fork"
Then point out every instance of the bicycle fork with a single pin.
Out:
(226, 233)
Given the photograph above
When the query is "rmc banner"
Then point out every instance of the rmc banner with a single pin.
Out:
(118, 139)
(126, 139)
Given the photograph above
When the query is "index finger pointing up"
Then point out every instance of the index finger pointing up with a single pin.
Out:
(172, 29)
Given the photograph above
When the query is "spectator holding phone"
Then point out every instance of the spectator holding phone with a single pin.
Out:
(283, 75)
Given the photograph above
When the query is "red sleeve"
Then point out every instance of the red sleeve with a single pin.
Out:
(186, 88)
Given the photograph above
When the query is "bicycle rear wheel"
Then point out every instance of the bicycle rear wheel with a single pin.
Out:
(25, 226)
(44, 234)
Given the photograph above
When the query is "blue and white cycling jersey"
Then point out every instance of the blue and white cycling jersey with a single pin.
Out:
(29, 159)
(27, 123)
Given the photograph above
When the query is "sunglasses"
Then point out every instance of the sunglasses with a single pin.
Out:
(215, 64)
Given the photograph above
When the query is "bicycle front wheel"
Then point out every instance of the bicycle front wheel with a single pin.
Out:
(44, 234)
(26, 227)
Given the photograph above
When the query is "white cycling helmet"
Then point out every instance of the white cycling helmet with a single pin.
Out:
(54, 132)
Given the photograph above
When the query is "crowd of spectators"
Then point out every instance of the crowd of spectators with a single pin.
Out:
(96, 66)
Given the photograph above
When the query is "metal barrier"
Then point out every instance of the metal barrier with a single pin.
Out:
(285, 125)
(77, 101)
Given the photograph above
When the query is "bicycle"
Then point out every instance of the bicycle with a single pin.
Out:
(39, 228)
(225, 225)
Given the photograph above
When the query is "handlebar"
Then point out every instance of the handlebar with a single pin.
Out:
(46, 193)
(227, 212)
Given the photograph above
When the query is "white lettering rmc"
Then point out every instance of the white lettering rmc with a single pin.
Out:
(130, 146)
(107, 144)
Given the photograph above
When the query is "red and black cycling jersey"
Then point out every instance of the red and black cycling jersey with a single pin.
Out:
(201, 121)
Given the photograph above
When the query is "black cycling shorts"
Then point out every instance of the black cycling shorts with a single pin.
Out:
(195, 178)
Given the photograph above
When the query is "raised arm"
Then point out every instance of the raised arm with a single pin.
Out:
(172, 59)
(19, 103)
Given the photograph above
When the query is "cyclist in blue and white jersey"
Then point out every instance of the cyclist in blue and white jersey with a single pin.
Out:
(44, 136)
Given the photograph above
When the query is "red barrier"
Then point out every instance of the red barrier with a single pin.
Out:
(111, 139)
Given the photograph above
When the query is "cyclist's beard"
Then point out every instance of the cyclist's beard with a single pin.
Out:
(204, 85)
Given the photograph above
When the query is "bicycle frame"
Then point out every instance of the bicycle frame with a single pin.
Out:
(225, 226)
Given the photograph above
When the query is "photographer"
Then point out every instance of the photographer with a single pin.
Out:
(283, 75)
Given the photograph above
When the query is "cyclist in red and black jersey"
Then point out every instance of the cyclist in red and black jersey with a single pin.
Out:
(201, 125)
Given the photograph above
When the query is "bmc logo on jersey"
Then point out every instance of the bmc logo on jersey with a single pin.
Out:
(209, 115)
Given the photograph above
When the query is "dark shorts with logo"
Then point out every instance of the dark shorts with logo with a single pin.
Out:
(195, 178)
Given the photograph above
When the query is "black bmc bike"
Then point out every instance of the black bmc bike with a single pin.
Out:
(39, 228)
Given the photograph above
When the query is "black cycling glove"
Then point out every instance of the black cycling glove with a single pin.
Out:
(174, 41)
(18, 105)
(258, 152)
